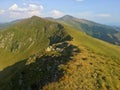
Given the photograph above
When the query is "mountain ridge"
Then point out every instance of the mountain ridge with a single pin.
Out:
(57, 60)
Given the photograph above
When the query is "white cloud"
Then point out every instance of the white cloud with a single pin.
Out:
(2, 11)
(21, 12)
(13, 7)
(57, 13)
(33, 7)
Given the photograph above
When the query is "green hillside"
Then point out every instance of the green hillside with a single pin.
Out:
(28, 37)
(103, 32)
(61, 58)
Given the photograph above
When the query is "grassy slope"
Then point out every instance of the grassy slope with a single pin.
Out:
(96, 67)
(27, 37)
(21, 36)
(95, 44)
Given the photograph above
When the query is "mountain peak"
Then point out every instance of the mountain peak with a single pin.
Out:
(67, 17)
(35, 16)
(32, 20)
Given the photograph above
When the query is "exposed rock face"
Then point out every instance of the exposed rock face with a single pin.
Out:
(6, 39)
(50, 48)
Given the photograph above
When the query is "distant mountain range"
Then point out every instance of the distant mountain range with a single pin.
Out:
(100, 31)
(59, 54)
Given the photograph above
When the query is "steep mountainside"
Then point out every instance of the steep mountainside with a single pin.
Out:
(39, 54)
(28, 37)
(103, 32)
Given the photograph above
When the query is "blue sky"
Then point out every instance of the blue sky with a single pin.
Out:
(102, 11)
